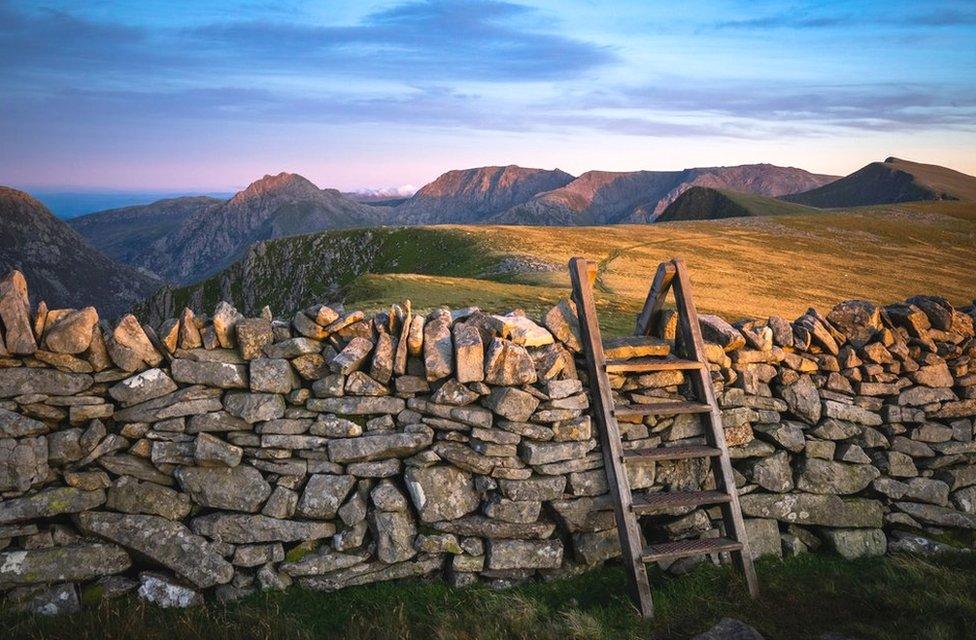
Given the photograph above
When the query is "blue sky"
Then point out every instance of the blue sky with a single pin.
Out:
(195, 95)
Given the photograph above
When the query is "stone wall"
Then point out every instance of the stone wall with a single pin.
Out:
(212, 456)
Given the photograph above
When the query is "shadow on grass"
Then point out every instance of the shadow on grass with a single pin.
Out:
(878, 598)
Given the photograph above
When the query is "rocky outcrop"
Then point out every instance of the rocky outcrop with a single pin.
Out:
(274, 206)
(217, 456)
(64, 269)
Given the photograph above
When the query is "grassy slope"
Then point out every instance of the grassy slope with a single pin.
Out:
(739, 266)
(891, 598)
(706, 203)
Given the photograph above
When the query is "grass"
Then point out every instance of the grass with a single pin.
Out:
(896, 597)
(740, 267)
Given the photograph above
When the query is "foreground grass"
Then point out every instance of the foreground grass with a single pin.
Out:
(878, 598)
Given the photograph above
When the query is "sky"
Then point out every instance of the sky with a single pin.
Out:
(190, 95)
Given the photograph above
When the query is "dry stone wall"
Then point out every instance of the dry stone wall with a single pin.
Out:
(212, 456)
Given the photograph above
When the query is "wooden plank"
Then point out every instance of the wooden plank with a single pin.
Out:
(687, 548)
(664, 500)
(602, 408)
(680, 452)
(655, 299)
(690, 332)
(643, 365)
(661, 409)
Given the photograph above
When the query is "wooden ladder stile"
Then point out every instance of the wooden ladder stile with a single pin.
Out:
(673, 276)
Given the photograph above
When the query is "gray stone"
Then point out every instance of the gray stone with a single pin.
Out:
(830, 477)
(851, 413)
(169, 543)
(813, 509)
(18, 381)
(523, 554)
(23, 463)
(241, 488)
(210, 451)
(394, 533)
(272, 375)
(357, 406)
(487, 528)
(253, 335)
(546, 452)
(49, 503)
(508, 364)
(53, 600)
(859, 320)
(377, 447)
(764, 538)
(939, 516)
(141, 387)
(730, 629)
(773, 473)
(222, 375)
(323, 495)
(803, 399)
(254, 407)
(539, 488)
(856, 543)
(438, 349)
(323, 562)
(73, 563)
(469, 353)
(15, 314)
(237, 528)
(353, 356)
(162, 591)
(441, 493)
(511, 403)
(15, 425)
(129, 495)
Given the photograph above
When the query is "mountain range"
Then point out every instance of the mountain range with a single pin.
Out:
(63, 269)
(185, 240)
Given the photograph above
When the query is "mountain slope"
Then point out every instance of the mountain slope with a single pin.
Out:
(275, 206)
(473, 195)
(893, 180)
(63, 269)
(739, 266)
(707, 203)
(126, 233)
(604, 197)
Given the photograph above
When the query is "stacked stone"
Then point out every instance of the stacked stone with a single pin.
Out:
(217, 455)
(228, 454)
(853, 430)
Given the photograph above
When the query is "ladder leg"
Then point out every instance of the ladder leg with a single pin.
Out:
(627, 526)
(690, 332)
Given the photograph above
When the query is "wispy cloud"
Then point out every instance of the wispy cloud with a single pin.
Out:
(845, 18)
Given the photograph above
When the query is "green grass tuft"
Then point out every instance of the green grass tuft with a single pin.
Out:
(899, 597)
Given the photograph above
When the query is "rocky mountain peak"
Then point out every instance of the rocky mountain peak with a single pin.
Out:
(284, 184)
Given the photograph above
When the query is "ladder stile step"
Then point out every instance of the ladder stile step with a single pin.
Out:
(661, 409)
(680, 452)
(688, 548)
(655, 502)
(640, 365)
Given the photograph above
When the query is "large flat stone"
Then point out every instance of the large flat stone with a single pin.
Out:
(18, 381)
(73, 563)
(377, 447)
(236, 528)
(812, 509)
(169, 543)
(49, 503)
